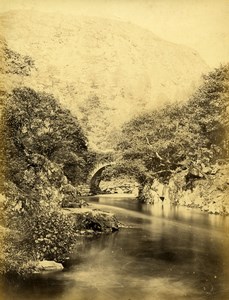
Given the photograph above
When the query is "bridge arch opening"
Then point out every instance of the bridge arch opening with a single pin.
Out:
(95, 181)
(96, 177)
(119, 185)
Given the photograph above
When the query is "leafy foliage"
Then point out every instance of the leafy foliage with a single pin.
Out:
(40, 135)
(46, 153)
(96, 122)
(157, 144)
(52, 234)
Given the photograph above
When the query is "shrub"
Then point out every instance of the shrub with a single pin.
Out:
(16, 259)
(50, 235)
(44, 151)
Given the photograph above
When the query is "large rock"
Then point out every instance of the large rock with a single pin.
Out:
(93, 220)
(209, 193)
(49, 266)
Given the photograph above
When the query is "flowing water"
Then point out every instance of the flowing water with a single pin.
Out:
(168, 253)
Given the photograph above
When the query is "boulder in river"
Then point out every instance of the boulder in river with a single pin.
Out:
(88, 219)
(48, 265)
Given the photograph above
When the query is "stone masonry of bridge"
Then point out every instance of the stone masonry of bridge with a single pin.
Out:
(94, 177)
(91, 187)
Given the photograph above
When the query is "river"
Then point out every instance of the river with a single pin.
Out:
(169, 252)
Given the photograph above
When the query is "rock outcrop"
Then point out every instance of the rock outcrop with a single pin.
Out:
(208, 191)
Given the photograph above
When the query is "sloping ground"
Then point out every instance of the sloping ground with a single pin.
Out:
(13, 62)
(103, 70)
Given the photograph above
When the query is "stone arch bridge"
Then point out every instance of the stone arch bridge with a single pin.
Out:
(95, 175)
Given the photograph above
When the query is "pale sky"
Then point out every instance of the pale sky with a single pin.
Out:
(200, 24)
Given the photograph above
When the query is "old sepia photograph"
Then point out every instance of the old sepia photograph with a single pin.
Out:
(114, 149)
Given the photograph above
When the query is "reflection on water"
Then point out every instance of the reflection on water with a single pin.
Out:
(170, 252)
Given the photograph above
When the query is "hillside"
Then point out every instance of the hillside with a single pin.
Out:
(103, 70)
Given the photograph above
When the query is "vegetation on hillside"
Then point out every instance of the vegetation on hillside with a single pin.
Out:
(179, 136)
(117, 68)
(44, 158)
(14, 63)
(96, 124)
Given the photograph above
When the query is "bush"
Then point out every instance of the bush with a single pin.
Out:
(50, 235)
(44, 235)
(16, 258)
(44, 151)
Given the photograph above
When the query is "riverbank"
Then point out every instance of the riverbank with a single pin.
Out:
(85, 221)
(89, 222)
(161, 256)
(204, 188)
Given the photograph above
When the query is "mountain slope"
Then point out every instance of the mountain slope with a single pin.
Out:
(103, 70)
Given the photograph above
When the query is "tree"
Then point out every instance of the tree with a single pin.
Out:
(178, 136)
(36, 124)
(44, 152)
(209, 108)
